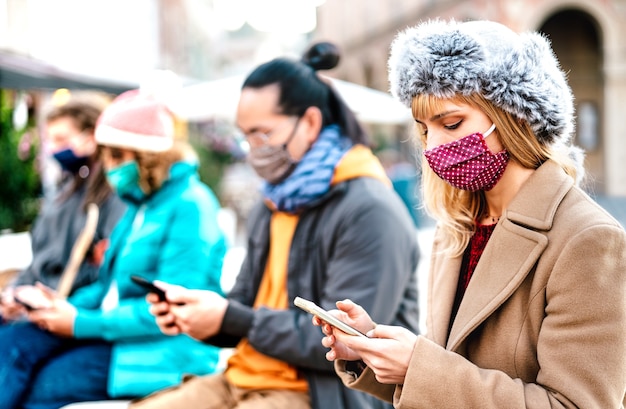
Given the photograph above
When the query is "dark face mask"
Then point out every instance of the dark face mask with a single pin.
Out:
(69, 161)
(467, 163)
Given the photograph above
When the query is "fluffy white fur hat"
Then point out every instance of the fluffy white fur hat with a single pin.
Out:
(517, 72)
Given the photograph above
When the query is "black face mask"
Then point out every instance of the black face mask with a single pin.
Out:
(69, 161)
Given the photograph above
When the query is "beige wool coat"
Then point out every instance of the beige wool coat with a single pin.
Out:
(543, 321)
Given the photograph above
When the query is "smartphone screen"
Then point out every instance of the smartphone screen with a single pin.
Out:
(312, 308)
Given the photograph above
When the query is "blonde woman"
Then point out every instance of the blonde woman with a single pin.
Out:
(527, 287)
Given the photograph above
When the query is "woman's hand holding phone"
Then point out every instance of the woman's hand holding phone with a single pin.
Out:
(349, 314)
(387, 350)
(327, 316)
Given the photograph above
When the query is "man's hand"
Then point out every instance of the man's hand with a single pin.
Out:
(197, 313)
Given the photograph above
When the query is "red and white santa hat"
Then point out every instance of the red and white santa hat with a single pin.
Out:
(138, 121)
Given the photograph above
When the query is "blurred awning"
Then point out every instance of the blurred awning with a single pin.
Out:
(219, 98)
(23, 72)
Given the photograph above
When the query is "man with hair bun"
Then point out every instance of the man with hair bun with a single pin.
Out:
(329, 227)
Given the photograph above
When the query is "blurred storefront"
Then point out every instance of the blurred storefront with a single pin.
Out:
(25, 73)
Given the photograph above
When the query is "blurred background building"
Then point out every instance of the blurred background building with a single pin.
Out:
(112, 45)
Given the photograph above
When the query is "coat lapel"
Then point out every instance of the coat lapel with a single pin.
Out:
(514, 248)
(500, 271)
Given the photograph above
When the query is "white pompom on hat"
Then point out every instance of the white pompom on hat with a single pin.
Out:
(138, 121)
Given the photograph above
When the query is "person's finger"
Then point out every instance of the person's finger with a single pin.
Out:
(171, 330)
(354, 310)
(328, 341)
(36, 315)
(353, 341)
(331, 355)
(152, 298)
(6, 297)
(159, 308)
(324, 326)
(168, 286)
(166, 321)
(327, 328)
(345, 305)
(47, 291)
(8, 302)
(386, 331)
(164, 285)
(179, 296)
(39, 318)
(321, 323)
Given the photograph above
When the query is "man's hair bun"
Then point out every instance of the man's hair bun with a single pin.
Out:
(321, 56)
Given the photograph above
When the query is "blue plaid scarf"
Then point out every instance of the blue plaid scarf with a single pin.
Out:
(312, 178)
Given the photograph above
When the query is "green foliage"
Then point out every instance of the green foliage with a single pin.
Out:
(217, 148)
(212, 165)
(19, 181)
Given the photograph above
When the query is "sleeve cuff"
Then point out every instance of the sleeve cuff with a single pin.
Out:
(364, 381)
(237, 319)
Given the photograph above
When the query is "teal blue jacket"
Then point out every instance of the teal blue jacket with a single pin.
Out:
(173, 236)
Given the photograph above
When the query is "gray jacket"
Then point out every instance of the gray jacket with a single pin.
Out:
(54, 232)
(358, 242)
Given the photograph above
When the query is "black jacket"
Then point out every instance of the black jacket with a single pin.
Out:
(357, 242)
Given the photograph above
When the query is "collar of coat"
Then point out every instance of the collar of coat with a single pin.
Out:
(523, 226)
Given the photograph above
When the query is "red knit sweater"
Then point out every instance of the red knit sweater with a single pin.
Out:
(471, 256)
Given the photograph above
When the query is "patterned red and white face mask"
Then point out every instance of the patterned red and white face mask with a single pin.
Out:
(467, 163)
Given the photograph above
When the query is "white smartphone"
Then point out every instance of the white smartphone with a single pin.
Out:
(312, 308)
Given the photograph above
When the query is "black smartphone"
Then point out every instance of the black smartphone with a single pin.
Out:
(24, 304)
(148, 285)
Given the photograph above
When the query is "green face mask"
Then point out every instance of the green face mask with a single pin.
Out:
(125, 180)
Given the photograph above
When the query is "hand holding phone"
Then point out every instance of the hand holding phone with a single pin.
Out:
(148, 285)
(312, 308)
(24, 304)
(31, 298)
